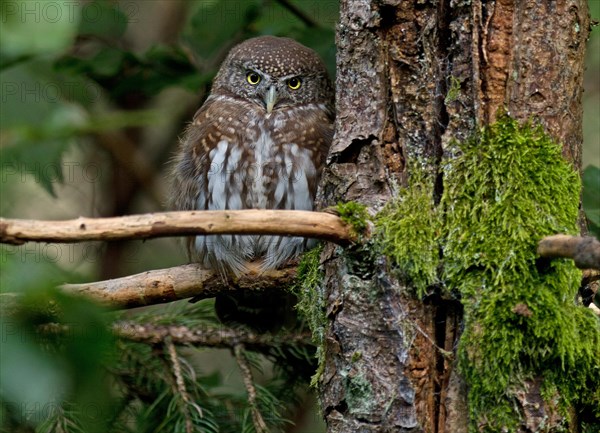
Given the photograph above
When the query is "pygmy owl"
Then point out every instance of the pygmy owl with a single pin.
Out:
(258, 142)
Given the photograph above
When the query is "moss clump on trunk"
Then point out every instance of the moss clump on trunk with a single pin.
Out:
(508, 189)
(408, 232)
(311, 300)
(354, 214)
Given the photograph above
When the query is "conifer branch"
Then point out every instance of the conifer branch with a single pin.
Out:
(319, 225)
(259, 423)
(179, 385)
(208, 336)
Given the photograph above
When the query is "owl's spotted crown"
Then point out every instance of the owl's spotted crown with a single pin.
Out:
(276, 56)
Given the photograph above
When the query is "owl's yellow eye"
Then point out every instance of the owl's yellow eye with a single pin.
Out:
(294, 83)
(253, 78)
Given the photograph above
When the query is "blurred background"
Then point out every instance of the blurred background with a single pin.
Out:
(94, 96)
(94, 100)
(591, 95)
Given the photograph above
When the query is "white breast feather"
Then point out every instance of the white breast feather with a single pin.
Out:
(293, 169)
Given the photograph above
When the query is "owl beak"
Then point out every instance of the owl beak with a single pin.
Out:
(271, 98)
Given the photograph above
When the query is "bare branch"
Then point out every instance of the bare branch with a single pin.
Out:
(320, 225)
(585, 251)
(172, 284)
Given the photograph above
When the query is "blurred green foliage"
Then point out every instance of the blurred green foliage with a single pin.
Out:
(591, 198)
(591, 95)
(72, 75)
(591, 126)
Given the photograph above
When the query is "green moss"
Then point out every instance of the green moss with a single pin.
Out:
(354, 214)
(408, 230)
(508, 189)
(453, 90)
(358, 257)
(311, 300)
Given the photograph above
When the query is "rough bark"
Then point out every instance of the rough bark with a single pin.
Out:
(412, 77)
(535, 70)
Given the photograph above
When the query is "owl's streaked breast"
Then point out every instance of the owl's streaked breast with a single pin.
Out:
(261, 167)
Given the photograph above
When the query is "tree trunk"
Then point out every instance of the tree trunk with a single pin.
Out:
(412, 76)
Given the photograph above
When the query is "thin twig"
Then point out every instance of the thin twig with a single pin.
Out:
(320, 225)
(257, 419)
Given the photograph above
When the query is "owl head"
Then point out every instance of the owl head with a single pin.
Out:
(274, 73)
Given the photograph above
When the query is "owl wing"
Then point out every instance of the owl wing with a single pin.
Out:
(204, 178)
(190, 166)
